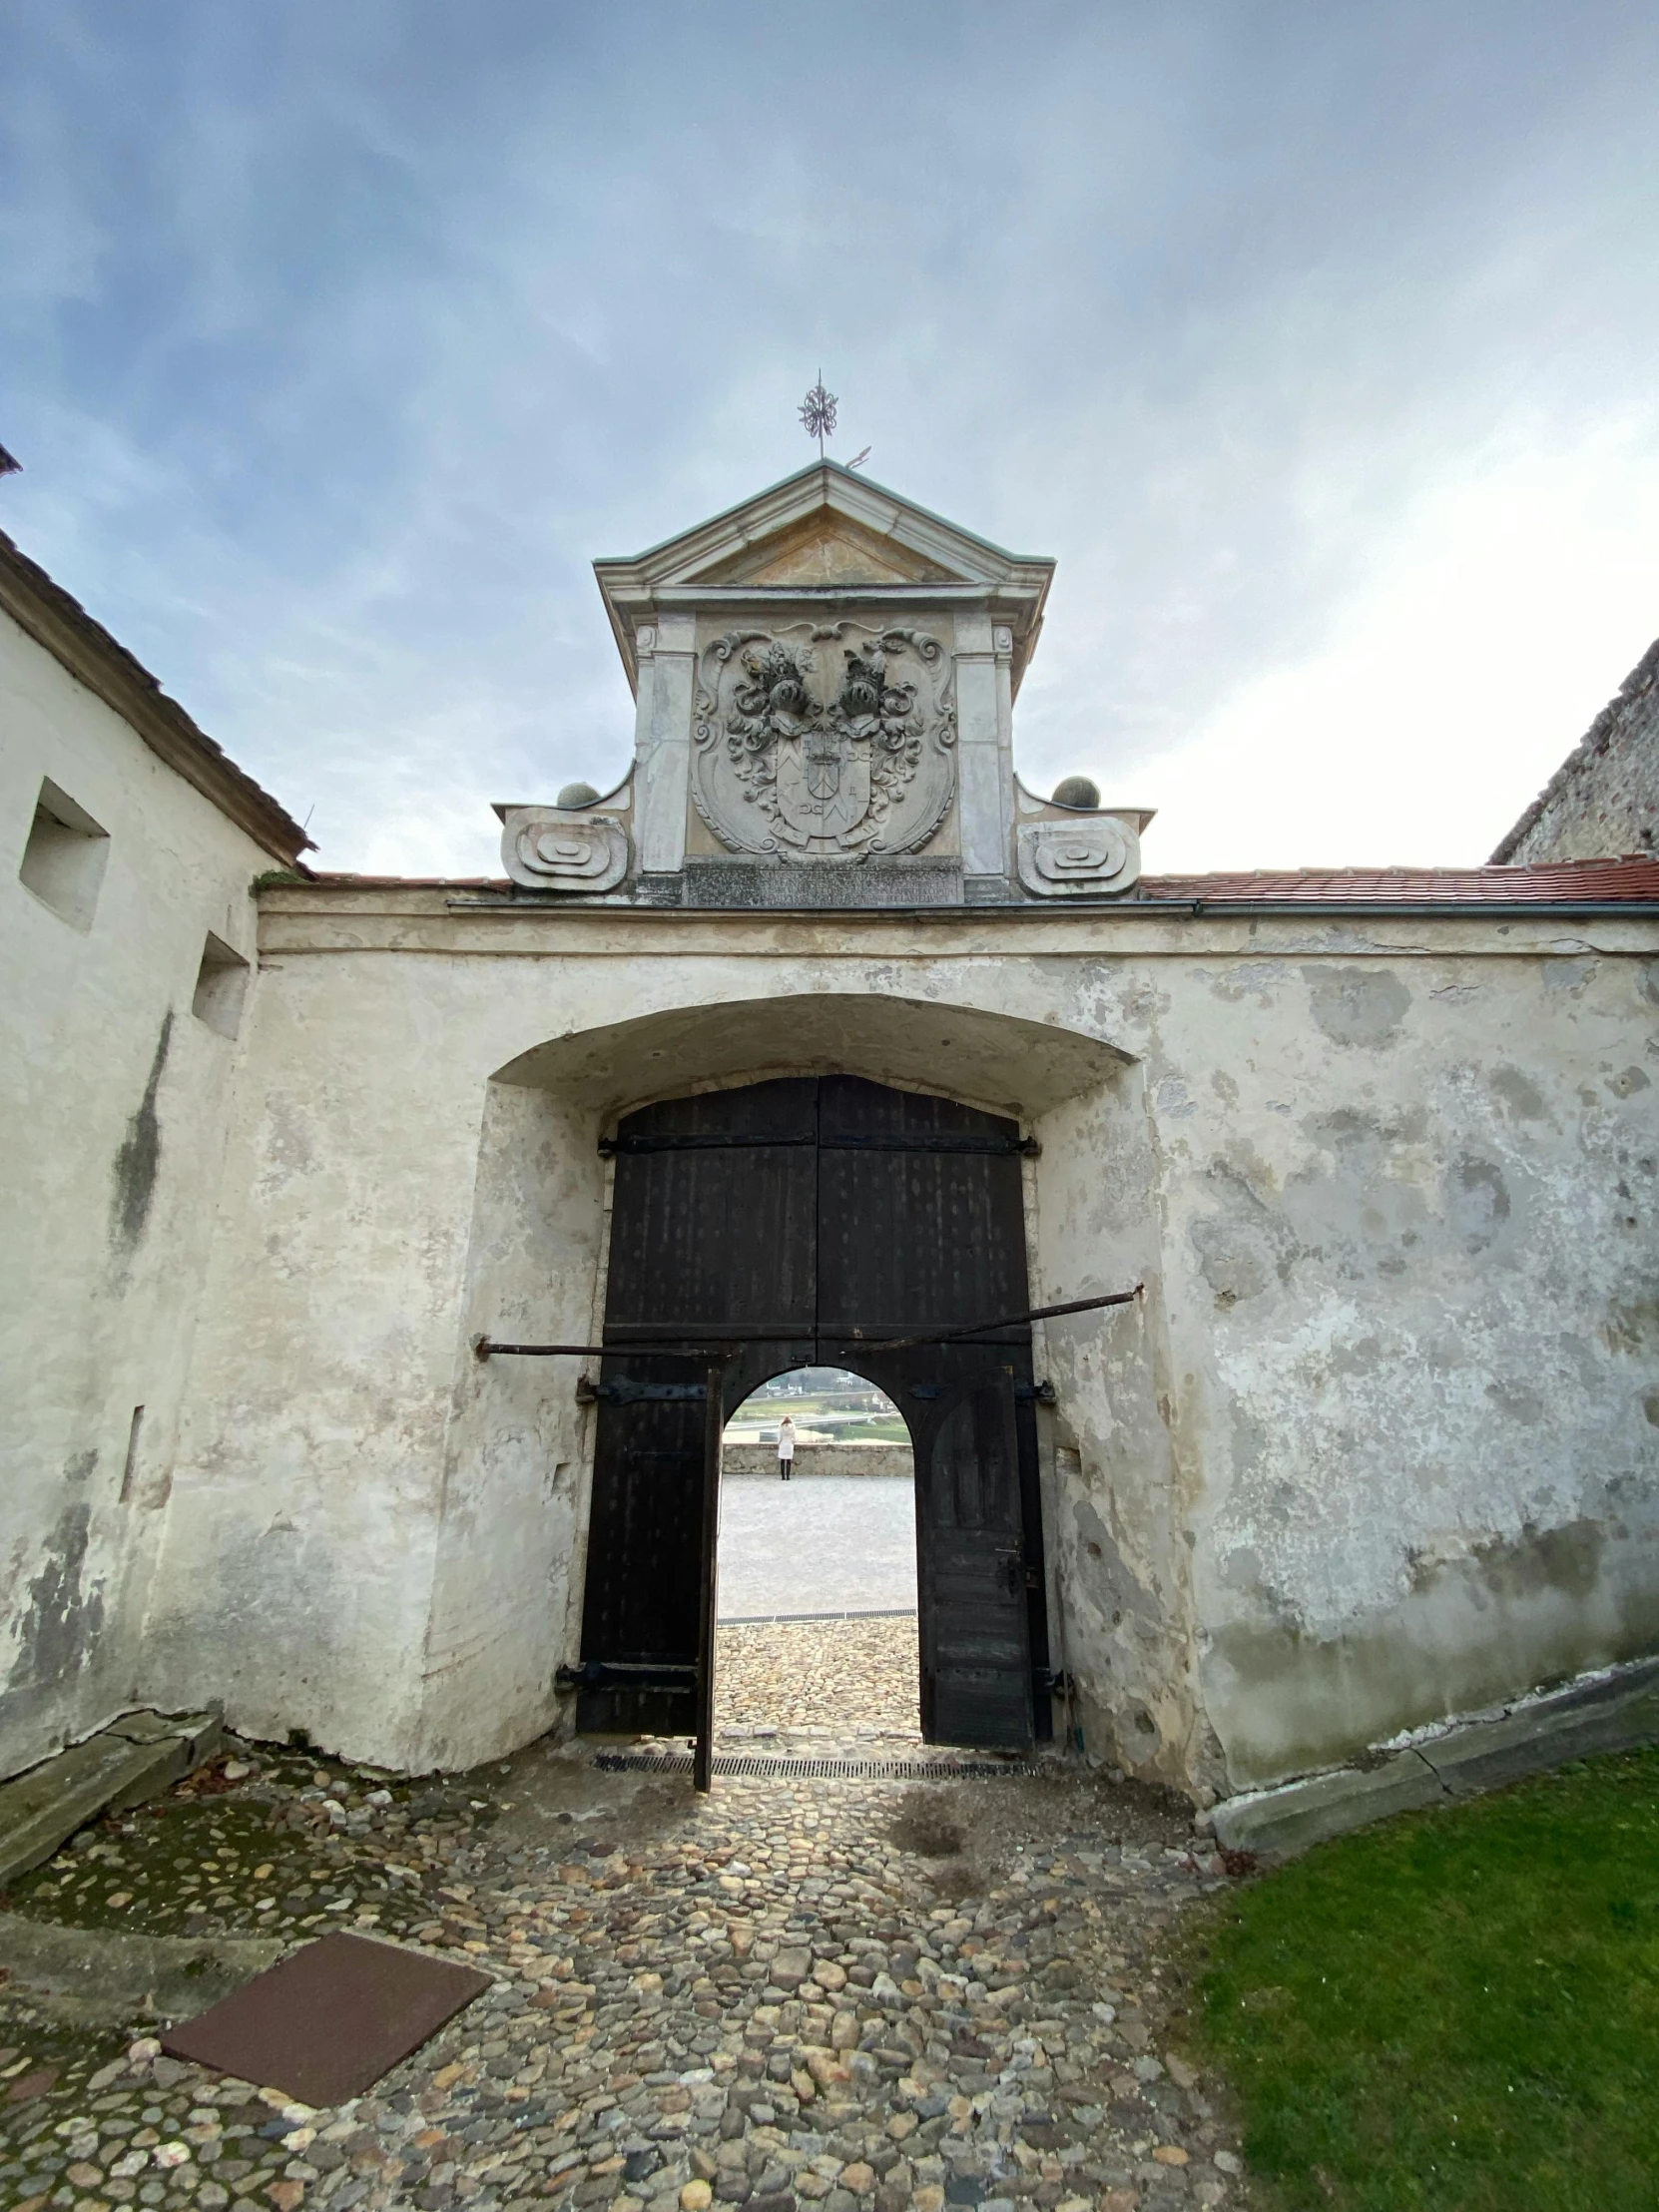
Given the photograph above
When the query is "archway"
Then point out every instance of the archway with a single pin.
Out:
(817, 1634)
(805, 1220)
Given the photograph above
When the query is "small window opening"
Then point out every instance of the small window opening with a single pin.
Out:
(63, 861)
(221, 987)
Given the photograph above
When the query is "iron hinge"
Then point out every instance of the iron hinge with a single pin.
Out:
(1037, 1394)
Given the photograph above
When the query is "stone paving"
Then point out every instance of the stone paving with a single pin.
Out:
(855, 1995)
(855, 1681)
(827, 1544)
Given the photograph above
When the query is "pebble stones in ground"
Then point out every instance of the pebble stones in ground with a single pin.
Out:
(846, 1995)
(855, 1679)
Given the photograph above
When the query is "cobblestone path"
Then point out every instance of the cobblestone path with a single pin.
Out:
(853, 1995)
(852, 1680)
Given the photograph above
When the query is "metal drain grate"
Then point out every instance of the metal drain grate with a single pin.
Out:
(813, 1769)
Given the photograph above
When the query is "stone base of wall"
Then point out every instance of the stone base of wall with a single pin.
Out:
(889, 1459)
(1610, 1712)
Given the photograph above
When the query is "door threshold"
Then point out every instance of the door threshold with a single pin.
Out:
(805, 1768)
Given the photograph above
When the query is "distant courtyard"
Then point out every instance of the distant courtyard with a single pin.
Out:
(825, 1542)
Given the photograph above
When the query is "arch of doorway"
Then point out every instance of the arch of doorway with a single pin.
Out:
(512, 1549)
(1002, 1062)
(831, 1571)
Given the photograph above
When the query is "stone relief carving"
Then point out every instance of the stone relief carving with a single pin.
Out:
(547, 850)
(1059, 857)
(809, 748)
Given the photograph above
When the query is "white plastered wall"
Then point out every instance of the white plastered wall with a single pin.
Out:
(113, 1111)
(1259, 1470)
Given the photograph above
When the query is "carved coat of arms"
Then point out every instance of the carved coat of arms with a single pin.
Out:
(809, 748)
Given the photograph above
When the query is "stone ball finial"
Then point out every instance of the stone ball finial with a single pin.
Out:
(577, 795)
(1075, 791)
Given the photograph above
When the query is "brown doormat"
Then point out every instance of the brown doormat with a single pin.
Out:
(329, 2021)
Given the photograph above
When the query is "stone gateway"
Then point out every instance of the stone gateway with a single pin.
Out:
(1376, 1445)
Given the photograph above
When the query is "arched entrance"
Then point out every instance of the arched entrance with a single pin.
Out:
(808, 1219)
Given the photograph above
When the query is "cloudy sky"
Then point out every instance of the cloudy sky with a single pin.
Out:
(1317, 342)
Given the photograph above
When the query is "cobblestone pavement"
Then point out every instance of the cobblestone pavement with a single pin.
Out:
(853, 1994)
(823, 1543)
(852, 1680)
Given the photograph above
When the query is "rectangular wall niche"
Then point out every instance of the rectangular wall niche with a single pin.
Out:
(221, 987)
(63, 859)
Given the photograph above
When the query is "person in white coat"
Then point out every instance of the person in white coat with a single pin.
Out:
(786, 1447)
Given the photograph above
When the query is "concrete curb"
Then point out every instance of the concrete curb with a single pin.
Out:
(1617, 1712)
(134, 1758)
(102, 1976)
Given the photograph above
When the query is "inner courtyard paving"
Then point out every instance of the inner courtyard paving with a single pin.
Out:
(856, 1993)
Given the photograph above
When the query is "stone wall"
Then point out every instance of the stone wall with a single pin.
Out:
(893, 1460)
(1604, 798)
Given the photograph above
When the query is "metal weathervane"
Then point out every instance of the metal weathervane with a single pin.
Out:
(818, 413)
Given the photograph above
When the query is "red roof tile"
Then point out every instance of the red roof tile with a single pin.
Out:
(1634, 880)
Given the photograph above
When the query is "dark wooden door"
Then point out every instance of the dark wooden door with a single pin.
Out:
(714, 1227)
(807, 1219)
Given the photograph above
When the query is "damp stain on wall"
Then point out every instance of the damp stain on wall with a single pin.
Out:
(137, 1158)
(61, 1618)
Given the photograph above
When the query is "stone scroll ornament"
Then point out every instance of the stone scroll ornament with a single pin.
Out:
(548, 849)
(807, 747)
(1059, 858)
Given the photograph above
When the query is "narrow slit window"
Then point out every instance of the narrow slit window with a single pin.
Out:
(65, 857)
(129, 1471)
(221, 987)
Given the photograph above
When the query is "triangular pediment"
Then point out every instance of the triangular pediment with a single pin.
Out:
(828, 548)
(828, 529)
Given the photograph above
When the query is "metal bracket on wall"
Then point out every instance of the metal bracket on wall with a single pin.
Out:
(590, 1393)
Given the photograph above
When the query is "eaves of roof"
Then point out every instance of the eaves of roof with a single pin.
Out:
(1619, 885)
(59, 623)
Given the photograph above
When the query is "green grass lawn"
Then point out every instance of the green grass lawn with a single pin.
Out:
(1457, 2008)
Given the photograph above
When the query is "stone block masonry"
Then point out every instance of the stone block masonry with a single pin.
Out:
(1604, 798)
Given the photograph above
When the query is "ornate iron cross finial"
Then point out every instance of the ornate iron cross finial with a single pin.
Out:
(818, 413)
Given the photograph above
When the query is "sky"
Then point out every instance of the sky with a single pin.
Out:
(1316, 343)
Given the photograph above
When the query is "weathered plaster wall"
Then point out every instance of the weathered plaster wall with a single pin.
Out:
(1120, 1571)
(1409, 1251)
(1604, 798)
(310, 1479)
(1378, 1443)
(113, 1105)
